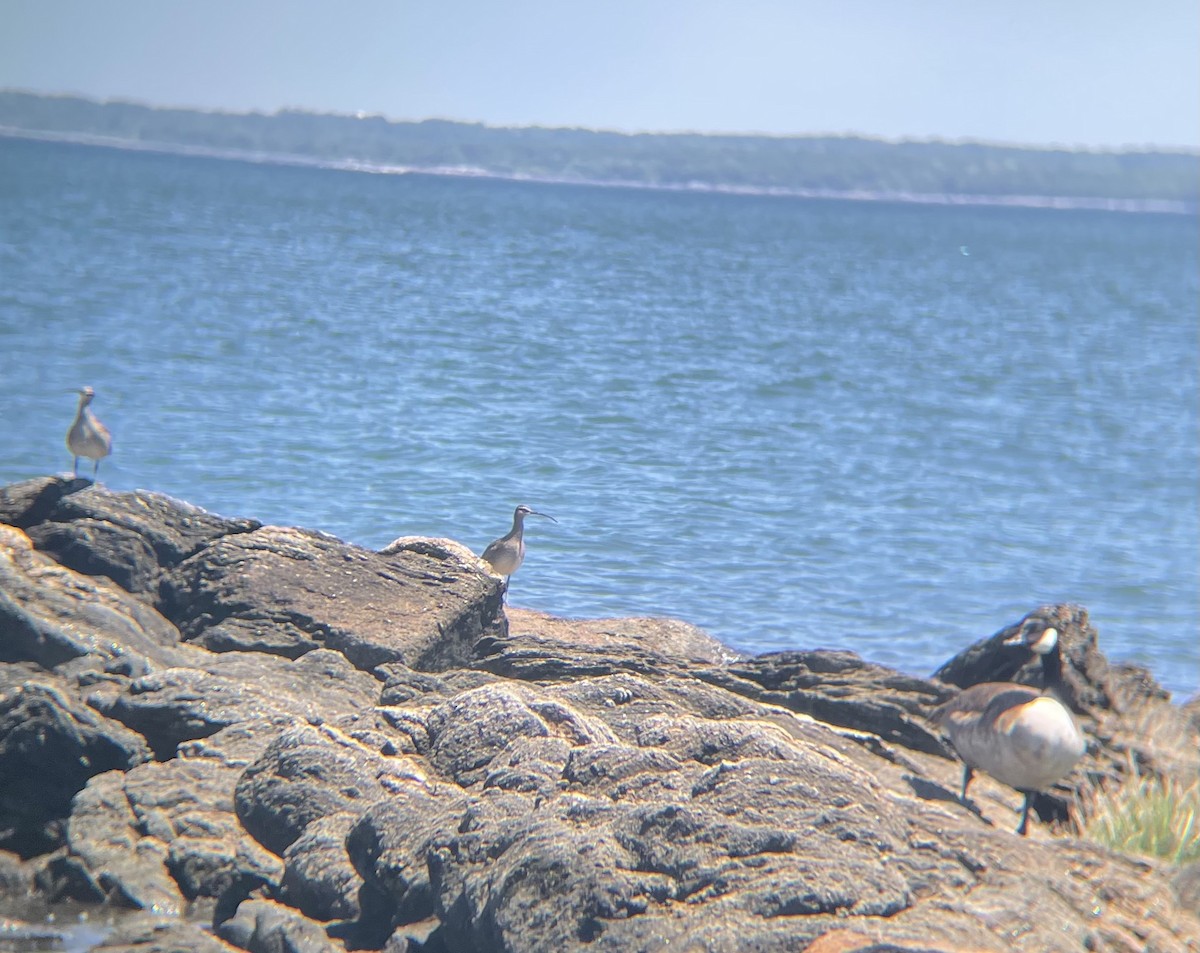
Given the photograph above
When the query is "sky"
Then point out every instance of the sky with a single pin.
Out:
(1073, 73)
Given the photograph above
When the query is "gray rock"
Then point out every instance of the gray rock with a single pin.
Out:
(1186, 883)
(51, 615)
(126, 537)
(289, 591)
(160, 836)
(318, 878)
(376, 759)
(308, 773)
(235, 585)
(668, 638)
(467, 732)
(16, 877)
(149, 933)
(401, 684)
(177, 705)
(263, 926)
(390, 846)
(51, 743)
(29, 502)
(781, 827)
(110, 856)
(839, 688)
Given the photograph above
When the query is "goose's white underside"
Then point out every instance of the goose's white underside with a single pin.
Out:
(1028, 747)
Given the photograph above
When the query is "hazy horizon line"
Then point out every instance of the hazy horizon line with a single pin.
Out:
(1082, 203)
(1125, 149)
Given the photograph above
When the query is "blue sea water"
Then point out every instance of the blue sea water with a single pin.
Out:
(795, 423)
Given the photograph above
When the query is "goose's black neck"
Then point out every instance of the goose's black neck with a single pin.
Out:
(1052, 680)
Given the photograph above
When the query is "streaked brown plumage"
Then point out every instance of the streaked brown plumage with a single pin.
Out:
(1022, 737)
(87, 436)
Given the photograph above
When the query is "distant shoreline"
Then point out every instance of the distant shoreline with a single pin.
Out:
(1065, 203)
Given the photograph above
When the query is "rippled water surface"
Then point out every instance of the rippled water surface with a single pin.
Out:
(887, 428)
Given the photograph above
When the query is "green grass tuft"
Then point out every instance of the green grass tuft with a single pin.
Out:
(1147, 815)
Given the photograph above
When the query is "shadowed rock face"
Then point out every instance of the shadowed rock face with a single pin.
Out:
(325, 748)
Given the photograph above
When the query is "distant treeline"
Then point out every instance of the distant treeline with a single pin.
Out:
(799, 164)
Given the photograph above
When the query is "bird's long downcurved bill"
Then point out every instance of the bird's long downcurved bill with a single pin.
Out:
(547, 515)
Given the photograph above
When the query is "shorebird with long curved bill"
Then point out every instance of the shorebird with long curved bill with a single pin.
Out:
(1022, 737)
(506, 554)
(87, 436)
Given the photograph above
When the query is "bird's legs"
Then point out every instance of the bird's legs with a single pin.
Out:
(1023, 829)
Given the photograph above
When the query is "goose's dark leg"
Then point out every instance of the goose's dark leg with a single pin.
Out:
(1023, 830)
(968, 774)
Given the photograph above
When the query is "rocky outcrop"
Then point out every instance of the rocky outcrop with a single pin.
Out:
(266, 739)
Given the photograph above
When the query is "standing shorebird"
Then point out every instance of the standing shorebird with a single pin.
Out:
(87, 436)
(1022, 737)
(507, 553)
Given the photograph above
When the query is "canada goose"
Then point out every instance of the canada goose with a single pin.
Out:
(1022, 737)
(87, 436)
(506, 554)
